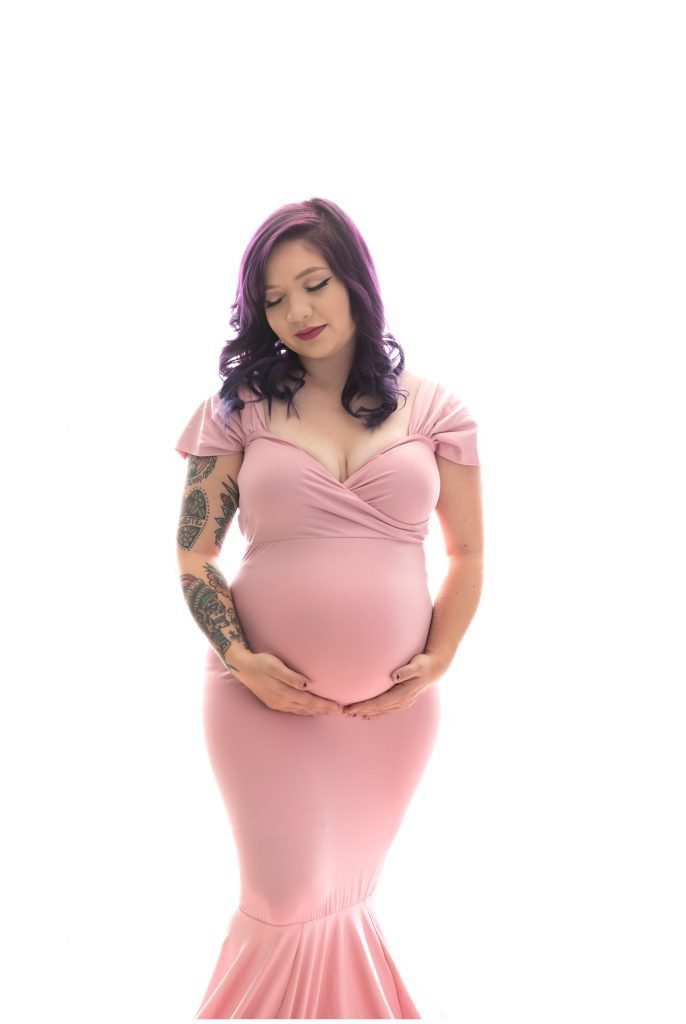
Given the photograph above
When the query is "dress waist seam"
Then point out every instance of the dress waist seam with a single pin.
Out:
(352, 536)
(289, 924)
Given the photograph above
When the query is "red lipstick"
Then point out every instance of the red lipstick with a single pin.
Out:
(311, 333)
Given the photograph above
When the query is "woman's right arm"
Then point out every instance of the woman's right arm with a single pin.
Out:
(209, 503)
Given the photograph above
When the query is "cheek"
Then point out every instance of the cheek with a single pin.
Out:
(342, 301)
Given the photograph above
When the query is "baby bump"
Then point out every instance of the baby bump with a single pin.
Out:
(343, 611)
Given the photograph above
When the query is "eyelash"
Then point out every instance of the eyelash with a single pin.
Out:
(270, 305)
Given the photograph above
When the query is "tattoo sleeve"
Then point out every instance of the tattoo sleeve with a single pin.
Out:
(207, 500)
(195, 508)
(209, 598)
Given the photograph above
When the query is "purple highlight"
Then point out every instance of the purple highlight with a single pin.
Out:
(258, 357)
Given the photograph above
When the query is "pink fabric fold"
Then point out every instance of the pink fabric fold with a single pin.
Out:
(336, 966)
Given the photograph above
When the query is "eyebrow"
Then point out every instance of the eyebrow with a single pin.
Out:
(302, 273)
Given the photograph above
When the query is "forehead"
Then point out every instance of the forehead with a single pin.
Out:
(290, 261)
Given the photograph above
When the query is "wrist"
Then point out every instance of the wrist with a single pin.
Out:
(442, 658)
(236, 657)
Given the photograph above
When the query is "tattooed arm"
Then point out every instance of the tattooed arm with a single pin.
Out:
(210, 501)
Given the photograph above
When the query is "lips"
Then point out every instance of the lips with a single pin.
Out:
(312, 333)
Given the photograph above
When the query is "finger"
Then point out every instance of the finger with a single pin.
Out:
(401, 675)
(313, 710)
(322, 705)
(367, 705)
(294, 679)
(357, 709)
(364, 712)
(385, 709)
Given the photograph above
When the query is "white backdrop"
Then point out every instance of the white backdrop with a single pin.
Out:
(517, 171)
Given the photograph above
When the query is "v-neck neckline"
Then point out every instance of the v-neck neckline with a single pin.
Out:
(410, 435)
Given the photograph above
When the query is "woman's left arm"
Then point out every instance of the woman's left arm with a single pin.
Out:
(460, 516)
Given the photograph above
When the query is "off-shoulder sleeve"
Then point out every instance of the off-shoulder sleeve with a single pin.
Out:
(451, 427)
(206, 434)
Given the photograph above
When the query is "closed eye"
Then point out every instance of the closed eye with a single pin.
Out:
(270, 305)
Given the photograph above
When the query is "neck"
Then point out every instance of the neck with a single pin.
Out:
(329, 373)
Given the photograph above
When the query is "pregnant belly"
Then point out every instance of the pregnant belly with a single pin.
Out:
(344, 611)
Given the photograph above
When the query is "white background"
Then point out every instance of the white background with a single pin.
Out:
(517, 171)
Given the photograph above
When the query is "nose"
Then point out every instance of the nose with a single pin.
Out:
(298, 315)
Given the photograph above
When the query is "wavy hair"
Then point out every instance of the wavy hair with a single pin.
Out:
(260, 359)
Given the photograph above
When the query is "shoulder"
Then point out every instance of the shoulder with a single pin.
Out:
(253, 415)
(410, 382)
(212, 430)
(445, 419)
(407, 379)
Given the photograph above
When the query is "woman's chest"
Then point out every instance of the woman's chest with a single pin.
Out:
(287, 492)
(339, 441)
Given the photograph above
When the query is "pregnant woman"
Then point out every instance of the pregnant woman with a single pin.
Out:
(321, 703)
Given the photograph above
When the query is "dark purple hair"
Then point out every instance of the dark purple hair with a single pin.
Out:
(258, 357)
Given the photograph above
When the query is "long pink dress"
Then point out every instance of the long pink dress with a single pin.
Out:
(333, 581)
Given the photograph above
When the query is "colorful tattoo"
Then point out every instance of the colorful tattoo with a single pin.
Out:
(208, 610)
(199, 468)
(194, 513)
(229, 502)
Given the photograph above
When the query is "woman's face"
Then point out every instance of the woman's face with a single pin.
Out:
(302, 292)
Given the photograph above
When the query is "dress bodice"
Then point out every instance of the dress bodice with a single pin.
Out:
(287, 493)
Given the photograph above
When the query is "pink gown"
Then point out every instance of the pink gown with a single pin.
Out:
(333, 581)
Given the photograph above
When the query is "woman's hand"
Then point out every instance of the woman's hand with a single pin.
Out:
(413, 678)
(278, 686)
